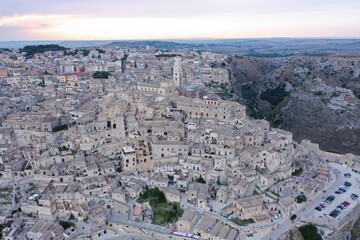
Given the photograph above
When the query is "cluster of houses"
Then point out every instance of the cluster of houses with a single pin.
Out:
(91, 146)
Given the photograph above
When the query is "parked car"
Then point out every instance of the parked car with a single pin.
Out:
(354, 196)
(337, 192)
(318, 208)
(293, 217)
(334, 213)
(341, 207)
(347, 175)
(330, 199)
(347, 184)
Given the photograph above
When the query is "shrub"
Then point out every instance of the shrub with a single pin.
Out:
(274, 96)
(200, 179)
(60, 128)
(301, 199)
(166, 55)
(243, 222)
(310, 232)
(66, 224)
(335, 94)
(320, 93)
(298, 172)
(31, 50)
(101, 74)
(164, 211)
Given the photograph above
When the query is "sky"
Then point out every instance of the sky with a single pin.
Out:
(177, 19)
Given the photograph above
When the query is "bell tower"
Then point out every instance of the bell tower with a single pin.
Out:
(177, 72)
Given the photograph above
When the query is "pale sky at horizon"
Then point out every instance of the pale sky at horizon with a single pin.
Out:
(174, 19)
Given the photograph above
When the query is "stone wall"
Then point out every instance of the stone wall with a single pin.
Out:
(332, 157)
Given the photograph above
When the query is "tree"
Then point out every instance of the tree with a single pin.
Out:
(200, 179)
(1, 229)
(171, 178)
(60, 128)
(218, 182)
(301, 199)
(101, 74)
(298, 172)
(100, 50)
(274, 96)
(166, 55)
(159, 195)
(310, 232)
(31, 50)
(66, 224)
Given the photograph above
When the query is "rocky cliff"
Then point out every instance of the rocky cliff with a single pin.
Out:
(316, 98)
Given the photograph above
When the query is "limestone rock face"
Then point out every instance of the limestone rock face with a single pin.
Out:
(321, 100)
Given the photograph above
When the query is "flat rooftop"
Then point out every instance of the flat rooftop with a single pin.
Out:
(128, 149)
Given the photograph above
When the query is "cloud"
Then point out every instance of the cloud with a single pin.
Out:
(32, 26)
(14, 33)
(150, 19)
(169, 8)
(31, 20)
(45, 25)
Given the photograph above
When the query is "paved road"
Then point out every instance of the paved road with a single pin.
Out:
(18, 181)
(130, 236)
(285, 225)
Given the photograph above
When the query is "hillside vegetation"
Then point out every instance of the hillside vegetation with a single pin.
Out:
(315, 98)
(31, 50)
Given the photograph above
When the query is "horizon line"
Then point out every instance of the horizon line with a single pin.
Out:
(181, 39)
